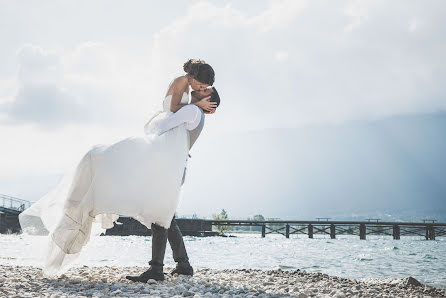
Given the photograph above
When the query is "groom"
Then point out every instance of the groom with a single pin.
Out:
(160, 235)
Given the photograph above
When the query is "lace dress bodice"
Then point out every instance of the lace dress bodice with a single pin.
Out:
(167, 101)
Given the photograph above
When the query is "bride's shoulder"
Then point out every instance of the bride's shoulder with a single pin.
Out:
(181, 80)
(178, 85)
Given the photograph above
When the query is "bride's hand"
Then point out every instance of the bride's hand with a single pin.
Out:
(207, 105)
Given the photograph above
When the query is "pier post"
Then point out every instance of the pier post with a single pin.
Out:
(362, 231)
(396, 232)
(287, 231)
(332, 231)
(310, 231)
(430, 232)
(263, 231)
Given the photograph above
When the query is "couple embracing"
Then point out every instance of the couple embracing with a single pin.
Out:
(140, 177)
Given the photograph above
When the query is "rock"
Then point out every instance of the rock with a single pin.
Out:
(410, 281)
(151, 282)
(339, 295)
(205, 283)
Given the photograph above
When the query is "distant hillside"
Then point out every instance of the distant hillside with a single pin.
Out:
(393, 168)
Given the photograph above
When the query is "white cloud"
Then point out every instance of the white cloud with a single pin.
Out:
(63, 101)
(414, 24)
(81, 85)
(348, 60)
(359, 62)
(38, 66)
(29, 150)
(8, 89)
(281, 56)
(357, 10)
(40, 97)
(279, 14)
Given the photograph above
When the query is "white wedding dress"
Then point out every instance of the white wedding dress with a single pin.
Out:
(138, 177)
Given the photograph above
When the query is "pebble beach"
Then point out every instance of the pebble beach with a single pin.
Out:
(110, 281)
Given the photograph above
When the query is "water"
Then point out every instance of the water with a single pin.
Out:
(347, 256)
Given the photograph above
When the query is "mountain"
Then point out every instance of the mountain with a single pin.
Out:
(393, 168)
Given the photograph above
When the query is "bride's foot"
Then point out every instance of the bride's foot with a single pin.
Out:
(151, 273)
(184, 270)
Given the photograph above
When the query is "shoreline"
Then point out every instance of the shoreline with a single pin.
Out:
(111, 282)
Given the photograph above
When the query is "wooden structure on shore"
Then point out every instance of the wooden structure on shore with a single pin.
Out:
(428, 228)
(126, 226)
(10, 208)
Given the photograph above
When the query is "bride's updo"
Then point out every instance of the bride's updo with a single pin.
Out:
(200, 70)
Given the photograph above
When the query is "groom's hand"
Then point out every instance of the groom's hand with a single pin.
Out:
(206, 104)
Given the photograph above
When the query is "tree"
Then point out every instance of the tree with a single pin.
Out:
(258, 217)
(222, 216)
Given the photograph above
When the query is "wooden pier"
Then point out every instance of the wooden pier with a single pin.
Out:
(428, 229)
(10, 208)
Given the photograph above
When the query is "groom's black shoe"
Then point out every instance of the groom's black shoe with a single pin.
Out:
(184, 270)
(152, 273)
(155, 271)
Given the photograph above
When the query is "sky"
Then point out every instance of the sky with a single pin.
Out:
(78, 73)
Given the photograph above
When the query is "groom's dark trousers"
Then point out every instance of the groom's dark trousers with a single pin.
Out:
(160, 235)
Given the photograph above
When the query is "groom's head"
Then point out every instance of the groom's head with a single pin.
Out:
(211, 91)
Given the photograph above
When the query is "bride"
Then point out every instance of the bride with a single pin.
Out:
(139, 176)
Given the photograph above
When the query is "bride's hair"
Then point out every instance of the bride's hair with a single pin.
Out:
(200, 70)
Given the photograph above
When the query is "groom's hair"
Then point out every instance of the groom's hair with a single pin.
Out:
(215, 97)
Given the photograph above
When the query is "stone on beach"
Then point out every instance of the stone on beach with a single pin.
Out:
(110, 281)
(410, 281)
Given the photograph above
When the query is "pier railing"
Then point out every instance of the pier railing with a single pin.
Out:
(11, 204)
(427, 229)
